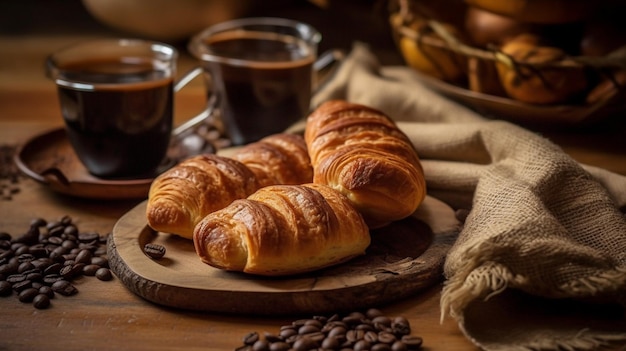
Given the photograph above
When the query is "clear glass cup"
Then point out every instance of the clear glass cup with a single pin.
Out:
(259, 72)
(116, 98)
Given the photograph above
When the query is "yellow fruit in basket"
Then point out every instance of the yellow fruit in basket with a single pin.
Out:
(528, 82)
(434, 61)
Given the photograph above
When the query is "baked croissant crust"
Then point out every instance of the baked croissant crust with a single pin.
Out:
(360, 152)
(278, 159)
(282, 230)
(181, 196)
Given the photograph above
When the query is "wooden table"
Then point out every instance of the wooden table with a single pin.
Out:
(107, 316)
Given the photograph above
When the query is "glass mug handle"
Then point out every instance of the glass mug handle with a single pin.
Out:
(325, 65)
(199, 118)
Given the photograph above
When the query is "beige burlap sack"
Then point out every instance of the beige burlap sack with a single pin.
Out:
(540, 263)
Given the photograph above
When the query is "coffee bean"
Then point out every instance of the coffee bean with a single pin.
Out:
(104, 274)
(251, 338)
(287, 332)
(71, 230)
(55, 240)
(25, 266)
(362, 345)
(23, 285)
(372, 313)
(100, 261)
(41, 301)
(5, 236)
(38, 251)
(261, 345)
(386, 337)
(84, 256)
(22, 250)
(64, 288)
(381, 347)
(52, 278)
(71, 271)
(400, 325)
(412, 342)
(46, 290)
(88, 236)
(331, 343)
(54, 268)
(154, 251)
(306, 329)
(9, 268)
(90, 269)
(399, 346)
(305, 344)
(5, 288)
(279, 346)
(371, 337)
(16, 278)
(27, 295)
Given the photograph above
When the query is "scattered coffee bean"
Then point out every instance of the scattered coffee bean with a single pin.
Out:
(104, 274)
(356, 331)
(154, 251)
(5, 288)
(27, 295)
(46, 290)
(91, 269)
(47, 257)
(64, 288)
(41, 301)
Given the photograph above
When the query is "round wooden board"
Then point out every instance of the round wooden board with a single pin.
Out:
(404, 258)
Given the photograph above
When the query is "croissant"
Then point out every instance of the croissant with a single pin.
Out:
(282, 230)
(361, 152)
(180, 197)
(278, 159)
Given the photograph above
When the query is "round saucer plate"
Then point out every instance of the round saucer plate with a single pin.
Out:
(49, 159)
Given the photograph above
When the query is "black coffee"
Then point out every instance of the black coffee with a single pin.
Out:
(266, 92)
(120, 128)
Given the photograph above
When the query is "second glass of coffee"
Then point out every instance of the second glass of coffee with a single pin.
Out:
(260, 70)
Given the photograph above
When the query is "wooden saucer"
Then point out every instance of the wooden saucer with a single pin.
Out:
(403, 259)
(50, 159)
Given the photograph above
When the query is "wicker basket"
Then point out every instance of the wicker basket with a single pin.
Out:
(446, 60)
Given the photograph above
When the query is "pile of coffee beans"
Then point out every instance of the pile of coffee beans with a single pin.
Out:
(43, 261)
(356, 331)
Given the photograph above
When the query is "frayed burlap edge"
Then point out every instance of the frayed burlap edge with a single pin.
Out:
(480, 279)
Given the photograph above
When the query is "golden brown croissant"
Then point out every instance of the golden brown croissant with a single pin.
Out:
(282, 230)
(361, 152)
(278, 159)
(181, 196)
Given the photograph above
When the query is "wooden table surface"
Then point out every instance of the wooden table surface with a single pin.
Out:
(107, 316)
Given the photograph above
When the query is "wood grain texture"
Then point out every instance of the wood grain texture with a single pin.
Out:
(403, 259)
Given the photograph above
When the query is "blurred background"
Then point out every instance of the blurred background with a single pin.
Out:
(31, 29)
(341, 22)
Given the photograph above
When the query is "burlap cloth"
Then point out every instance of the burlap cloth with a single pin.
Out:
(540, 263)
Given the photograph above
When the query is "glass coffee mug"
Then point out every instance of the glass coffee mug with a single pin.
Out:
(260, 73)
(116, 98)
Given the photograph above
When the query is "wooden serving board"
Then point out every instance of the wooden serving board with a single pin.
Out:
(404, 258)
